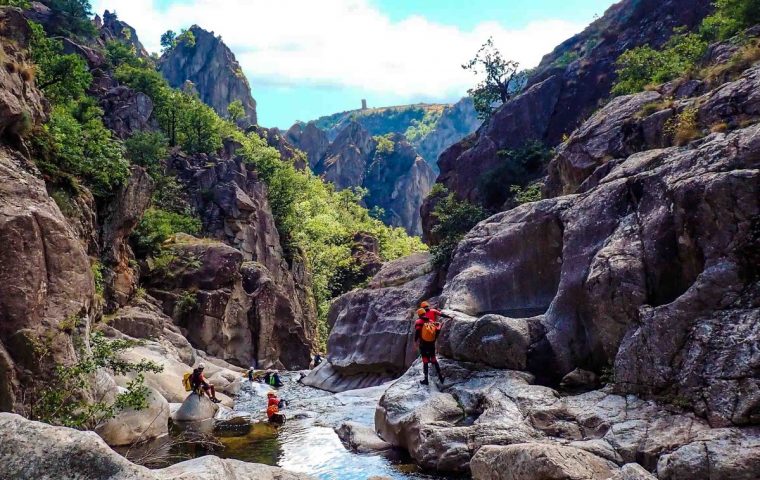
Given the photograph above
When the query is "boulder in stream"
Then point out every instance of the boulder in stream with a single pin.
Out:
(196, 408)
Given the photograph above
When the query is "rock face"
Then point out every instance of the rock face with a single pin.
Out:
(213, 70)
(21, 105)
(196, 408)
(397, 179)
(457, 122)
(37, 450)
(360, 438)
(113, 29)
(398, 182)
(45, 278)
(632, 266)
(560, 95)
(372, 336)
(126, 111)
(120, 217)
(345, 162)
(251, 304)
(131, 426)
(310, 139)
(498, 425)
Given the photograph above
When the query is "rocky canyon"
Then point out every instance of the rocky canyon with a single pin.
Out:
(600, 287)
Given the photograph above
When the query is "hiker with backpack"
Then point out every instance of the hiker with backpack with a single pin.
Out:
(273, 379)
(426, 331)
(199, 384)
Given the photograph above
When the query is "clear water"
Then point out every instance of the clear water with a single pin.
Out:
(307, 442)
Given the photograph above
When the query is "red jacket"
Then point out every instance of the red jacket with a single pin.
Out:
(433, 315)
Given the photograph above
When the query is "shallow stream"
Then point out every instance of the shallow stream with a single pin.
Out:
(307, 442)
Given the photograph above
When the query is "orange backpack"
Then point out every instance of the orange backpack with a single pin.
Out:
(428, 332)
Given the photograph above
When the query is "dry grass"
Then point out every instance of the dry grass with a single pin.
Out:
(159, 454)
(731, 70)
(684, 128)
(654, 107)
(719, 127)
(27, 73)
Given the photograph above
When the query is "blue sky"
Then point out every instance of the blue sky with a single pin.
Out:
(307, 58)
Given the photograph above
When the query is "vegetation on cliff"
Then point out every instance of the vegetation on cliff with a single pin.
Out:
(76, 149)
(643, 66)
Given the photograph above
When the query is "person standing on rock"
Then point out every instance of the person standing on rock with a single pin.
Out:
(198, 382)
(425, 334)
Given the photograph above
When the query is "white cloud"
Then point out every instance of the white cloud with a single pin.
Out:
(342, 42)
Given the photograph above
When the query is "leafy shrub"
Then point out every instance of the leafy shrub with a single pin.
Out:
(684, 127)
(16, 3)
(118, 53)
(730, 17)
(147, 149)
(419, 129)
(186, 303)
(157, 226)
(642, 66)
(235, 111)
(62, 77)
(531, 193)
(63, 399)
(454, 219)
(518, 167)
(97, 275)
(385, 145)
(80, 145)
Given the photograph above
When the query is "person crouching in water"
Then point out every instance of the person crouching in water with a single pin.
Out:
(198, 383)
(273, 408)
(425, 334)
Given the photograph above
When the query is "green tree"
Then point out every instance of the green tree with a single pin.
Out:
(642, 66)
(454, 218)
(500, 79)
(147, 149)
(235, 111)
(72, 17)
(61, 77)
(63, 400)
(186, 38)
(82, 146)
(157, 226)
(168, 40)
(118, 54)
(198, 126)
(730, 17)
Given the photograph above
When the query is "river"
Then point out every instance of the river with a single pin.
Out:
(307, 442)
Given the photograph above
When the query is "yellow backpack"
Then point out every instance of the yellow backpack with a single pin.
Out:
(428, 332)
(186, 382)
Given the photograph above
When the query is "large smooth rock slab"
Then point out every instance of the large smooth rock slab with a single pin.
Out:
(530, 461)
(131, 426)
(372, 331)
(215, 468)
